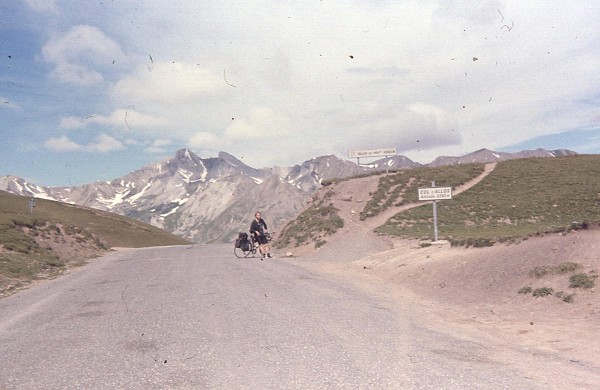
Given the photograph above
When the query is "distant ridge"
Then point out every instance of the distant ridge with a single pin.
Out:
(486, 156)
(212, 199)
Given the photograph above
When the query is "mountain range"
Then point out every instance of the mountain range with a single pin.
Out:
(212, 199)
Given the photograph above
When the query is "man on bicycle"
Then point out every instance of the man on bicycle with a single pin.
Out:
(258, 229)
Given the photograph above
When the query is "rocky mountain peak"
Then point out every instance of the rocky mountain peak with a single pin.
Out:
(185, 153)
(186, 157)
(228, 158)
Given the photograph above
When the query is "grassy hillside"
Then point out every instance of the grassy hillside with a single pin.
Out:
(56, 235)
(315, 223)
(518, 199)
(401, 188)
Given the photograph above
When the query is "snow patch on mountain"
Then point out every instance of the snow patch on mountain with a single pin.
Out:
(185, 175)
(134, 198)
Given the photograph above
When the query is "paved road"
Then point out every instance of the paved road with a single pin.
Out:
(196, 317)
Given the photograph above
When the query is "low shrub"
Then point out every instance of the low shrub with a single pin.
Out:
(319, 243)
(567, 267)
(542, 292)
(563, 268)
(582, 281)
(475, 242)
(568, 298)
(539, 271)
(525, 290)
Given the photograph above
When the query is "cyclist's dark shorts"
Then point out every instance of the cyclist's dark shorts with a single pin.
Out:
(262, 240)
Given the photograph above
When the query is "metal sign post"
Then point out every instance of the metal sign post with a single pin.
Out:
(434, 194)
(31, 204)
(435, 227)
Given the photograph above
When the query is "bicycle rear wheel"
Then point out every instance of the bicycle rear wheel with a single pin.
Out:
(238, 252)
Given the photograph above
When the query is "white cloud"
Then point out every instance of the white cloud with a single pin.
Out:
(170, 83)
(76, 74)
(80, 54)
(125, 119)
(182, 96)
(62, 144)
(72, 122)
(103, 143)
(43, 5)
(206, 140)
(417, 126)
(162, 142)
(260, 123)
(260, 126)
(159, 146)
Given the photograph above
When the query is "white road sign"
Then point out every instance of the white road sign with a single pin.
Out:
(435, 193)
(372, 153)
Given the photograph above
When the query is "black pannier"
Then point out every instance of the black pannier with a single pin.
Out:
(242, 242)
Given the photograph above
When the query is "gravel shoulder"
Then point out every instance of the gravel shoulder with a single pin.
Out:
(473, 294)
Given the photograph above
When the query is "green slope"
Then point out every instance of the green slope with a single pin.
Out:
(519, 198)
(55, 236)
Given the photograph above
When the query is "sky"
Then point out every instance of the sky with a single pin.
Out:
(92, 90)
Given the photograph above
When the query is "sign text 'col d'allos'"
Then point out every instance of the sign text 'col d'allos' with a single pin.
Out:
(435, 193)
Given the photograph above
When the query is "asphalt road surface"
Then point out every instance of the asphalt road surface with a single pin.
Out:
(196, 317)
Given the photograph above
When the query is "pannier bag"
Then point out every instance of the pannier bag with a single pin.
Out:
(242, 242)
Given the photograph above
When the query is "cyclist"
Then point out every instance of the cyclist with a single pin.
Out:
(258, 228)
